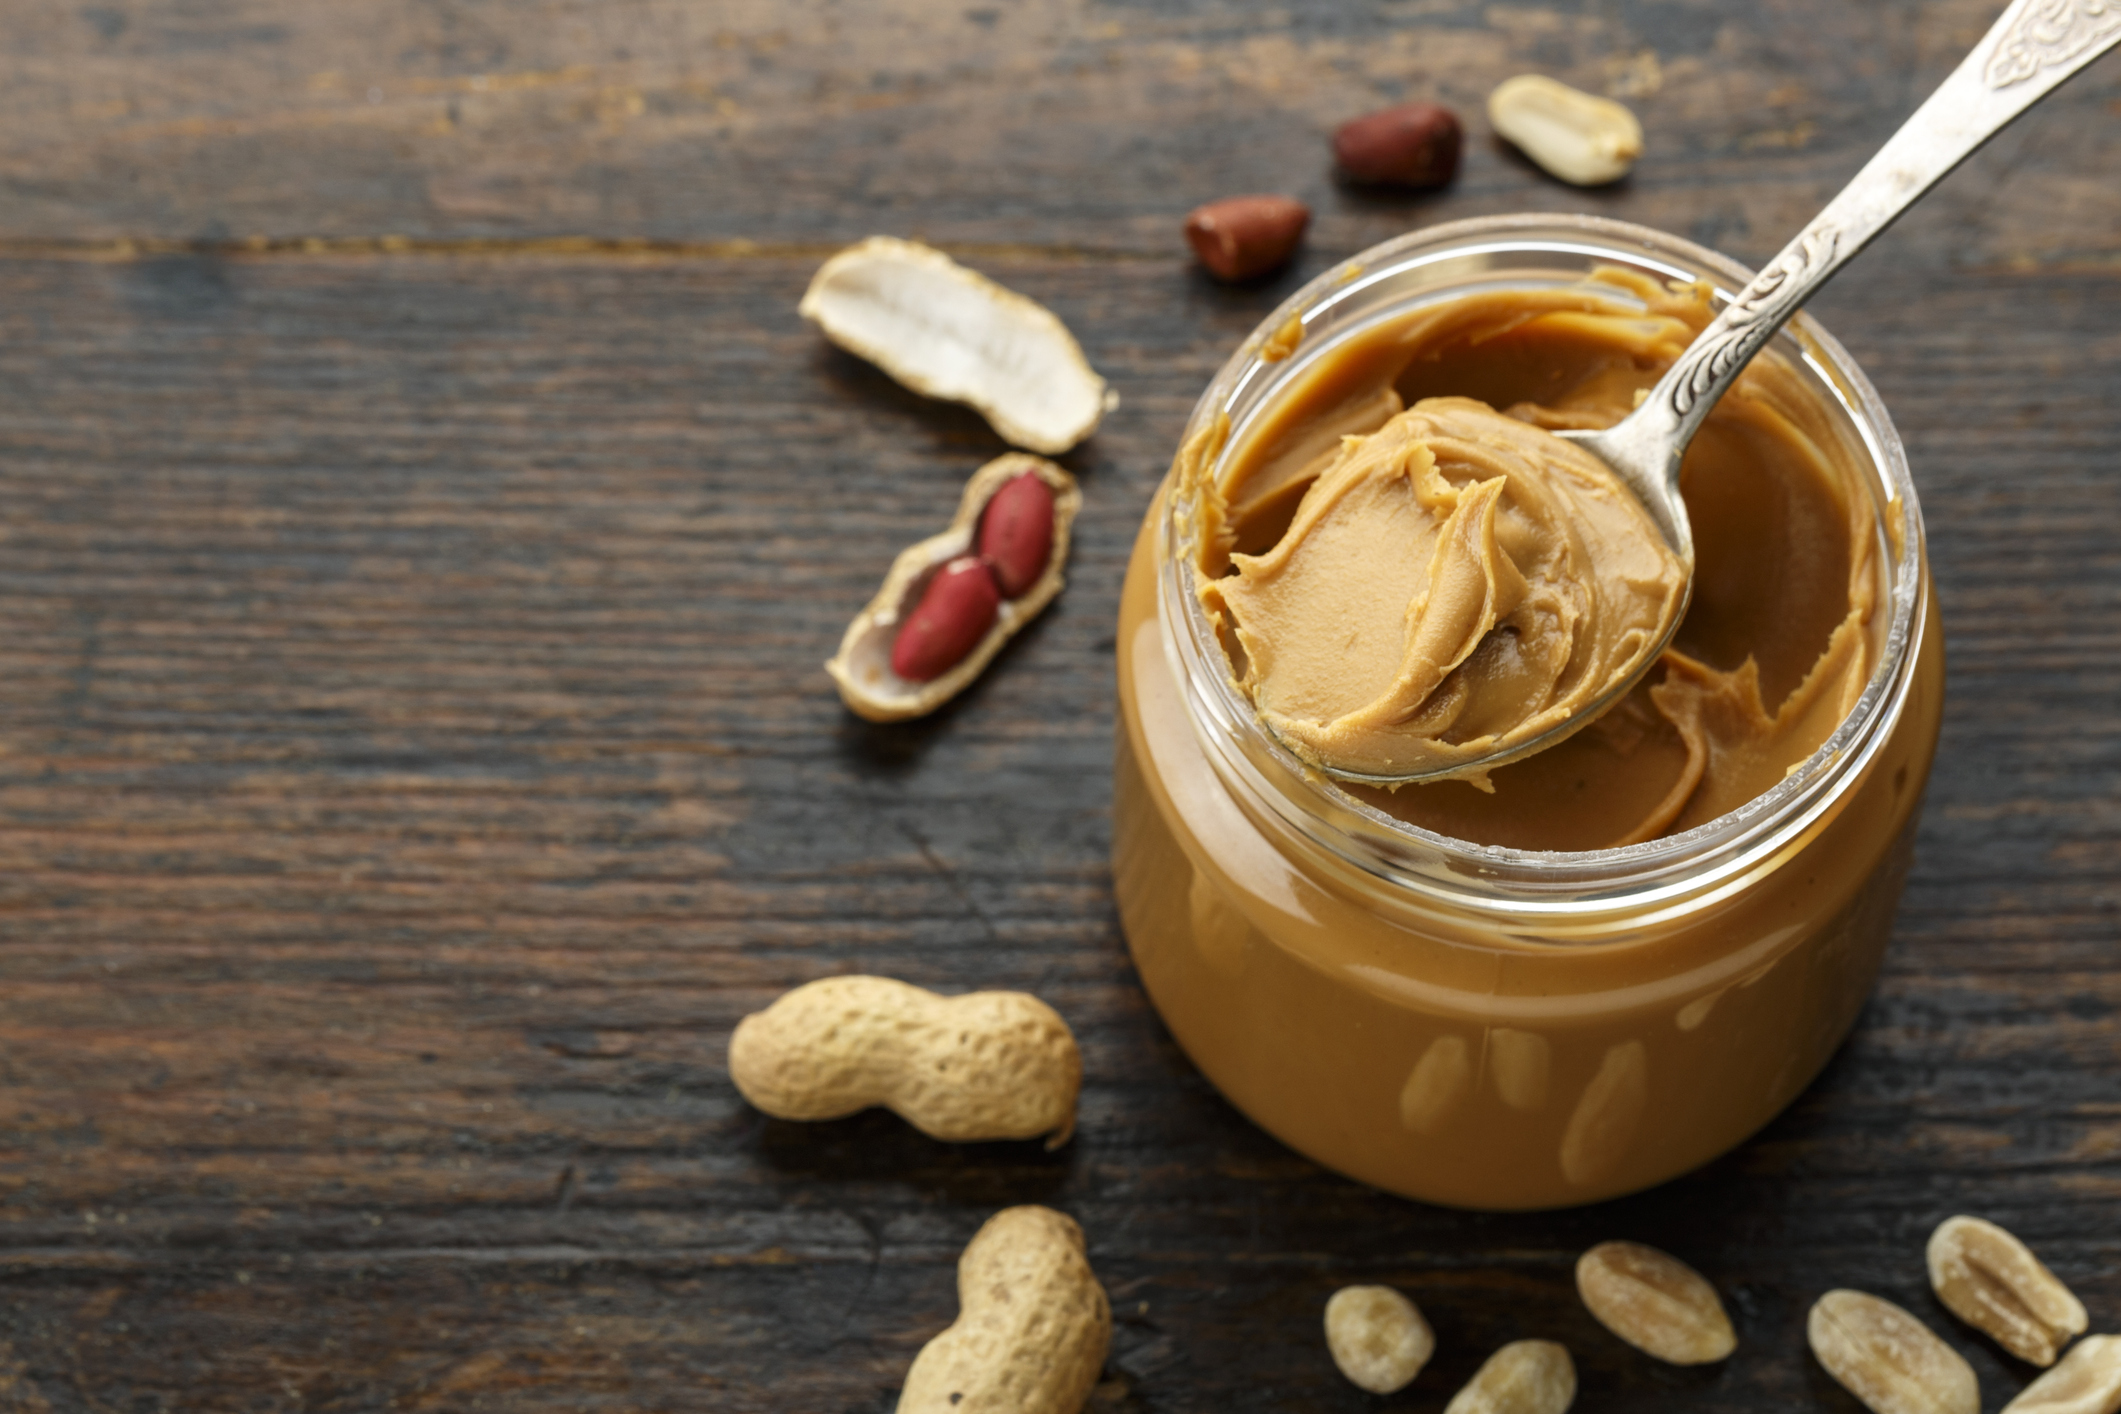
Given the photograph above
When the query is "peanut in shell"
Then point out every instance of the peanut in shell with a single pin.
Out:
(1032, 1329)
(862, 668)
(986, 1065)
(1524, 1377)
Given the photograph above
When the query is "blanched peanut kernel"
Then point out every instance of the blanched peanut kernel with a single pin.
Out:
(1378, 1337)
(1655, 1302)
(1992, 1282)
(1887, 1358)
(1524, 1377)
(1576, 136)
(2088, 1381)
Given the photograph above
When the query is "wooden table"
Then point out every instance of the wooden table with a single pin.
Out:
(424, 520)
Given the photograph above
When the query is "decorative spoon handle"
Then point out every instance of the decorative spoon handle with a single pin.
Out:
(2034, 47)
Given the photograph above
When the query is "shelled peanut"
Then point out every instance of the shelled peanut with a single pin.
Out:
(1887, 1358)
(1378, 1338)
(1524, 1377)
(1995, 1284)
(950, 602)
(1244, 237)
(1655, 1302)
(1409, 145)
(2088, 1381)
(1579, 137)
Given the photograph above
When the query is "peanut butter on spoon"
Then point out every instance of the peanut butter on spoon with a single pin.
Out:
(1452, 585)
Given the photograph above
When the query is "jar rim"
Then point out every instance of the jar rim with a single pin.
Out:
(1267, 778)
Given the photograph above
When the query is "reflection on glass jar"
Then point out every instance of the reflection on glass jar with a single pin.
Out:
(1508, 1027)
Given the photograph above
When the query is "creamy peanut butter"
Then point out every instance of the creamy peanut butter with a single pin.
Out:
(1403, 577)
(1454, 584)
(1527, 1032)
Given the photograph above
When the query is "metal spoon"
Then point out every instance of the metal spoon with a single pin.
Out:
(2029, 52)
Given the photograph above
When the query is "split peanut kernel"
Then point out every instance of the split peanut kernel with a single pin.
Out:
(1655, 1302)
(1524, 1377)
(1888, 1359)
(2088, 1381)
(1378, 1337)
(1992, 1282)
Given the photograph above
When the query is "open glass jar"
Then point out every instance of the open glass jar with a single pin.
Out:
(1482, 1026)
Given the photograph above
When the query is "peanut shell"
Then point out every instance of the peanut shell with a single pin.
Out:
(2088, 1381)
(1887, 1358)
(1655, 1302)
(986, 1065)
(1033, 1324)
(954, 334)
(862, 667)
(1992, 1282)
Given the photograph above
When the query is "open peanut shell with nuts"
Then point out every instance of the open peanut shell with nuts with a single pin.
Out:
(864, 668)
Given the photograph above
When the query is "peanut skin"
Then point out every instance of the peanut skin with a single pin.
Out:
(1016, 533)
(1245, 237)
(1413, 145)
(987, 1065)
(1032, 1328)
(953, 615)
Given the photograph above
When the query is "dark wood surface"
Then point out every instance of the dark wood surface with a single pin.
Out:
(424, 518)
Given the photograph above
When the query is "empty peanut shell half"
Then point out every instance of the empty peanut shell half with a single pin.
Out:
(954, 334)
(946, 607)
(1992, 1282)
(1655, 1302)
(1887, 1358)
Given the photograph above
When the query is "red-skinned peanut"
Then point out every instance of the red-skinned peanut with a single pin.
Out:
(1016, 533)
(1244, 237)
(955, 612)
(1412, 145)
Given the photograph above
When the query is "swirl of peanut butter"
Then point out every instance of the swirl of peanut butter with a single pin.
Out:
(1779, 637)
(1454, 584)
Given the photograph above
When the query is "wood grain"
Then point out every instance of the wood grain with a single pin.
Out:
(414, 754)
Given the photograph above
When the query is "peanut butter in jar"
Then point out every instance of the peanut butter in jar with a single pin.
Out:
(1598, 967)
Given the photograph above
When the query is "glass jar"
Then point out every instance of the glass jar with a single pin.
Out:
(1488, 1027)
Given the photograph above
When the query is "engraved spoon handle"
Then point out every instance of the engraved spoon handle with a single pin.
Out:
(2033, 47)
